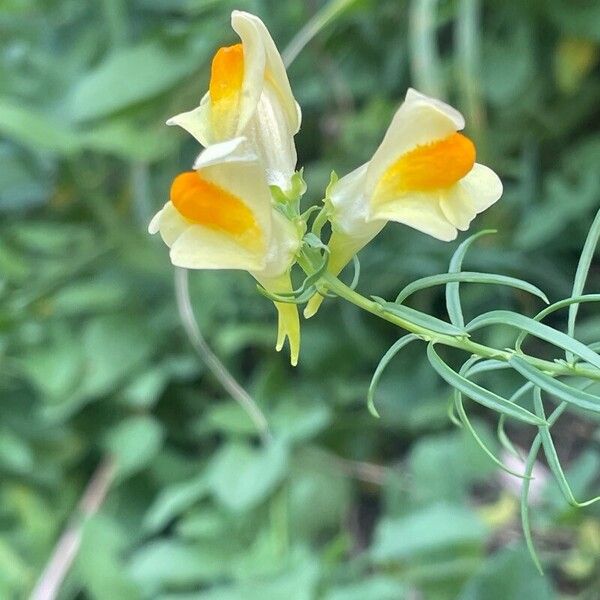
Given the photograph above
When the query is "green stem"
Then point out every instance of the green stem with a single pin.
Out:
(334, 285)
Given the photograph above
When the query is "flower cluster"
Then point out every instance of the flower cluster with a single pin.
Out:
(238, 207)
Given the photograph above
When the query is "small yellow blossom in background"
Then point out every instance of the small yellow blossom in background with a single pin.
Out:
(574, 59)
(423, 175)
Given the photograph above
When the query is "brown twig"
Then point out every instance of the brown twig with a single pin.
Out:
(66, 548)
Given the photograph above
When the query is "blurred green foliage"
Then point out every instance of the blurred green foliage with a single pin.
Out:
(95, 363)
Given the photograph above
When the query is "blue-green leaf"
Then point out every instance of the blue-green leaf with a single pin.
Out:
(478, 393)
(583, 267)
(418, 318)
(555, 387)
(562, 340)
(557, 306)
(452, 289)
(383, 363)
(552, 456)
(469, 277)
(462, 414)
(533, 452)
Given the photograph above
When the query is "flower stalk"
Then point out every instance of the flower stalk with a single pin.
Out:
(329, 283)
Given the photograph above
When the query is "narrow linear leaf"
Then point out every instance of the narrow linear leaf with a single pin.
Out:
(460, 409)
(299, 298)
(313, 27)
(452, 288)
(469, 277)
(383, 363)
(356, 276)
(503, 438)
(478, 393)
(525, 523)
(583, 267)
(555, 387)
(553, 308)
(483, 366)
(552, 456)
(451, 412)
(501, 432)
(531, 458)
(473, 366)
(419, 318)
(562, 340)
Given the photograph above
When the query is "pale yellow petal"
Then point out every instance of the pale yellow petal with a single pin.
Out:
(284, 243)
(473, 194)
(253, 34)
(196, 122)
(169, 223)
(200, 247)
(255, 63)
(269, 133)
(457, 207)
(288, 320)
(351, 211)
(483, 187)
(421, 211)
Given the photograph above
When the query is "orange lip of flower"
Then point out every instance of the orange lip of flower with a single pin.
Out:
(204, 203)
(429, 167)
(226, 79)
(227, 72)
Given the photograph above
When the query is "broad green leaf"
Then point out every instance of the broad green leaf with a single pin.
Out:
(173, 500)
(419, 318)
(134, 442)
(113, 346)
(429, 530)
(446, 465)
(296, 419)
(505, 317)
(508, 574)
(452, 288)
(98, 568)
(35, 130)
(241, 477)
(171, 563)
(376, 587)
(128, 76)
(478, 393)
(557, 388)
(469, 277)
(16, 454)
(121, 138)
(316, 479)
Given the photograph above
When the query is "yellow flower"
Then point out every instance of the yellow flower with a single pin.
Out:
(423, 175)
(219, 216)
(249, 95)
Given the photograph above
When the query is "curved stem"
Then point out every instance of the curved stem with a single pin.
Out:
(333, 284)
(217, 368)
